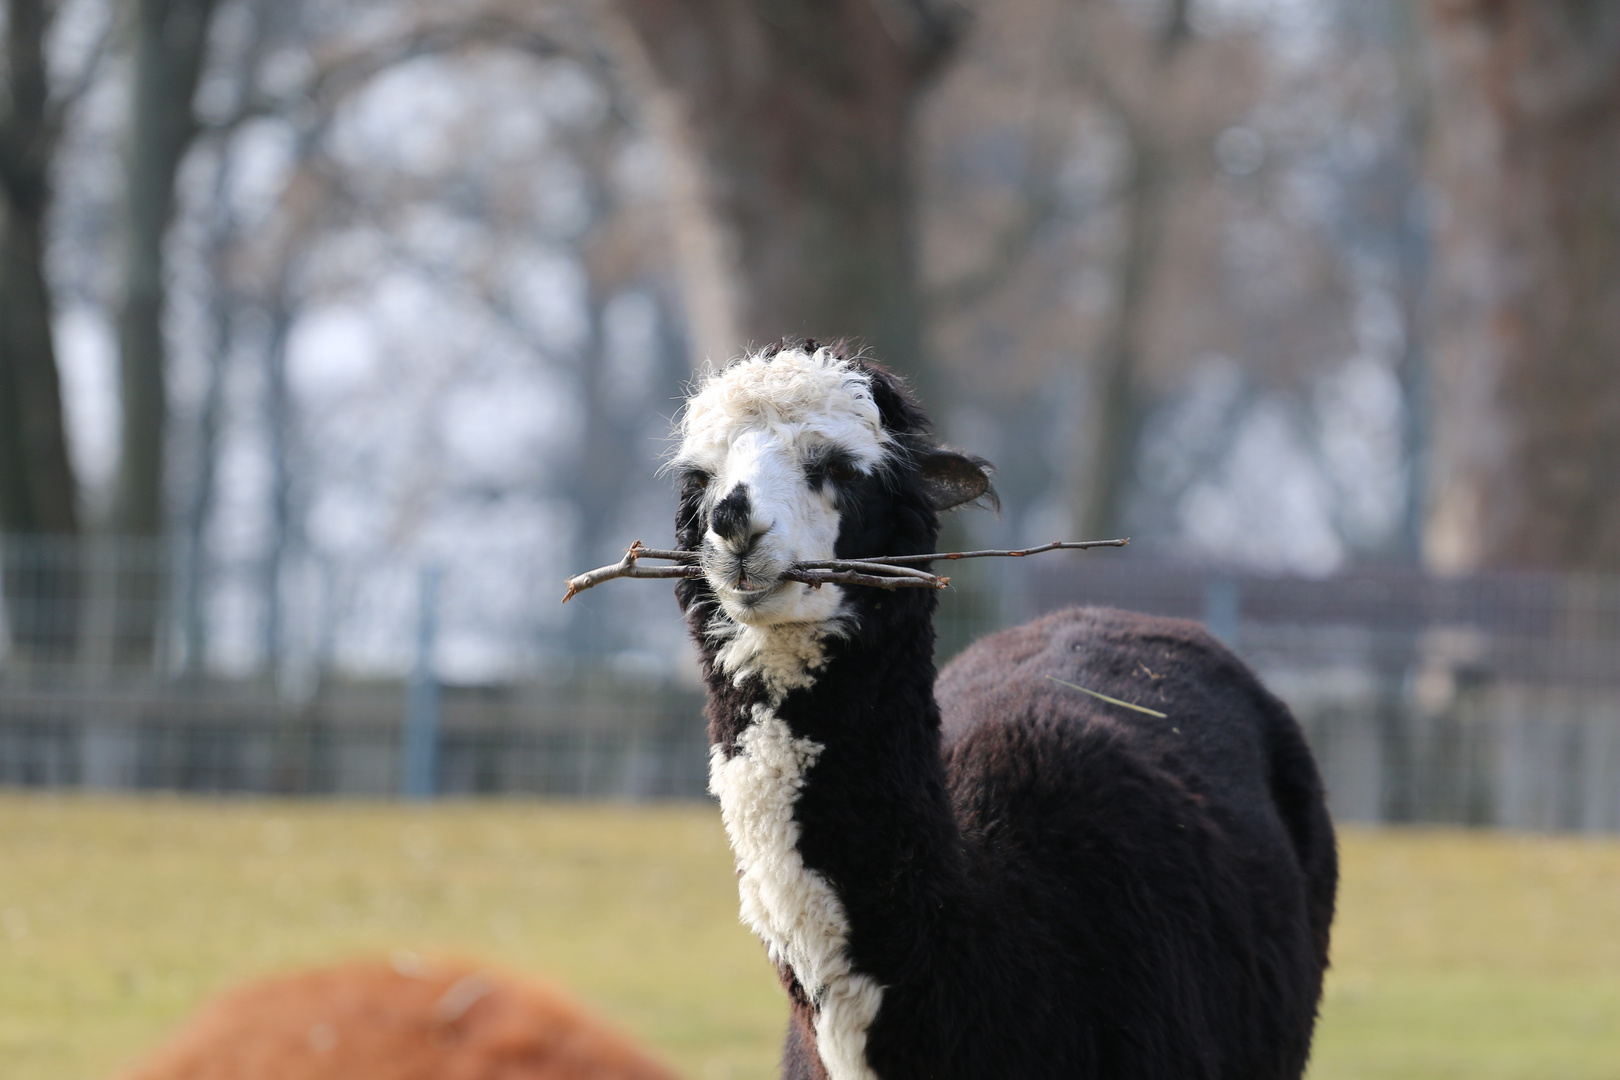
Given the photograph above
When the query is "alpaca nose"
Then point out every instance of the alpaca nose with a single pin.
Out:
(732, 519)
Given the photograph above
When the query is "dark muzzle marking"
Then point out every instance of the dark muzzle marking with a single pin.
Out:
(732, 517)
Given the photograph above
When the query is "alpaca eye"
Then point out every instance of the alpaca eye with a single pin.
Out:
(694, 482)
(842, 471)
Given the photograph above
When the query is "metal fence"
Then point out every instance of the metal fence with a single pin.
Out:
(1488, 700)
(1482, 700)
(104, 684)
(352, 740)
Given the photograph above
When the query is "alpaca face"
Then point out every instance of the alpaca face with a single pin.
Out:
(773, 451)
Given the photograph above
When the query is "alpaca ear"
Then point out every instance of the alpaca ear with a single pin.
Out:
(951, 478)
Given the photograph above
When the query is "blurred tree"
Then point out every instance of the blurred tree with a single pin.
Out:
(1526, 159)
(546, 183)
(1168, 249)
(38, 493)
(1075, 233)
(171, 37)
(170, 41)
(38, 488)
(797, 218)
(1153, 145)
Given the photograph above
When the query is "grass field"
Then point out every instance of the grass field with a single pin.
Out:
(1456, 954)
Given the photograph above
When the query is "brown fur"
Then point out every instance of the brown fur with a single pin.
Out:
(369, 1020)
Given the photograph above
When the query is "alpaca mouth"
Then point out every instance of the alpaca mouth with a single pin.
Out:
(751, 589)
(746, 580)
(742, 585)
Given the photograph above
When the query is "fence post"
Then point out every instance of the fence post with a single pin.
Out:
(1222, 608)
(419, 764)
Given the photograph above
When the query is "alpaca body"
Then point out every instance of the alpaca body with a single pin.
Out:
(1034, 883)
(1184, 867)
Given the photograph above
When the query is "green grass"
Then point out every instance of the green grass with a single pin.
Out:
(117, 916)
(1456, 954)
(1473, 955)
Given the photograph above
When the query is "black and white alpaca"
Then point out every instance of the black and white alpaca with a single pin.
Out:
(1014, 879)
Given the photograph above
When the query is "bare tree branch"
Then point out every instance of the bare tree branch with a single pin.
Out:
(1016, 553)
(627, 567)
(1177, 29)
(927, 31)
(1041, 203)
(889, 572)
(817, 578)
(341, 75)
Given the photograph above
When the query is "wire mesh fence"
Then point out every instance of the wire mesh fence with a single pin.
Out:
(1483, 700)
(83, 611)
(636, 744)
(1487, 700)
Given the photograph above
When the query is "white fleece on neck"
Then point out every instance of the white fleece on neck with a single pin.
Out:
(793, 909)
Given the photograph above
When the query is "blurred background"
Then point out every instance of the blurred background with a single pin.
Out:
(334, 335)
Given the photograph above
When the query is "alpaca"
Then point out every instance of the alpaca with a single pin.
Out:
(999, 876)
(372, 1020)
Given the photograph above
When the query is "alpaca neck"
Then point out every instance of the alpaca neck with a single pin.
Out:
(827, 764)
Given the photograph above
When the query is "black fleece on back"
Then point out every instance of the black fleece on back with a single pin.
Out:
(1184, 867)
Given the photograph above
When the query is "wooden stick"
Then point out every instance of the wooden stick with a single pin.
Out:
(866, 566)
(817, 578)
(626, 567)
(890, 572)
(673, 556)
(882, 577)
(1019, 553)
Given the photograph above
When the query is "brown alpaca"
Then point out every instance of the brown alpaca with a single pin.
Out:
(372, 1020)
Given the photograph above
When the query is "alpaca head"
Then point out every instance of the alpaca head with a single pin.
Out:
(801, 453)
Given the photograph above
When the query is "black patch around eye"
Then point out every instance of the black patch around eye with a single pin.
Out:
(834, 465)
(694, 481)
(843, 472)
(688, 519)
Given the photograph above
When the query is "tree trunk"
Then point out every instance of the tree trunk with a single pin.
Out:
(170, 40)
(1527, 388)
(37, 487)
(1120, 407)
(38, 492)
(278, 413)
(199, 502)
(1155, 146)
(796, 118)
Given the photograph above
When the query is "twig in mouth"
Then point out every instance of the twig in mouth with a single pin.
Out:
(1016, 553)
(629, 567)
(889, 572)
(869, 566)
(882, 577)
